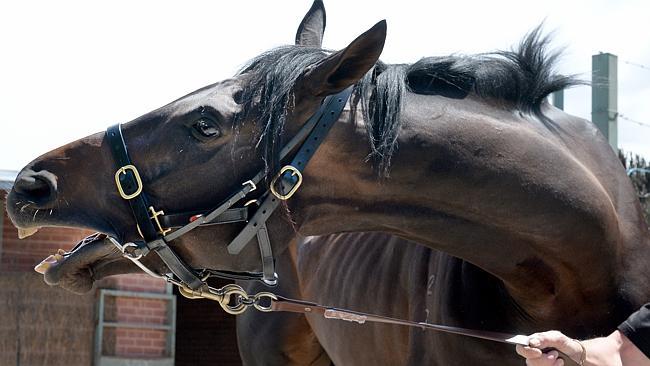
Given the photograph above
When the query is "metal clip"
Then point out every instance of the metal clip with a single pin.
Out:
(239, 293)
(295, 173)
(261, 295)
(154, 216)
(123, 170)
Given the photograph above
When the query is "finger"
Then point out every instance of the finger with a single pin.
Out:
(540, 362)
(529, 352)
(550, 359)
(553, 339)
(551, 356)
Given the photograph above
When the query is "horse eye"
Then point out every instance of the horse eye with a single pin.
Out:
(206, 128)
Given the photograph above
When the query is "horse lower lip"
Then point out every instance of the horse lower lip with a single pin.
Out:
(75, 271)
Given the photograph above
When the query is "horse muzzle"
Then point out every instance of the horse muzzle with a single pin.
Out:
(37, 188)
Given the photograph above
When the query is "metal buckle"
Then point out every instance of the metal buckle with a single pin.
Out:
(295, 173)
(123, 170)
(154, 216)
(251, 184)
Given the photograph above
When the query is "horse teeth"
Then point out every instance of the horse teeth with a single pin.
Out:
(23, 233)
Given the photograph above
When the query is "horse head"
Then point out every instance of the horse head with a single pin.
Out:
(188, 156)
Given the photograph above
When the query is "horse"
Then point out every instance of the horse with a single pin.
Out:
(504, 213)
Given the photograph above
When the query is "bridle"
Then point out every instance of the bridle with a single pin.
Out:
(159, 229)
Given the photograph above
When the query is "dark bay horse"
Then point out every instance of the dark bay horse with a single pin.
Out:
(524, 218)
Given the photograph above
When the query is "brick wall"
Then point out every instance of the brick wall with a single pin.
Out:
(127, 342)
(204, 331)
(43, 325)
(20, 256)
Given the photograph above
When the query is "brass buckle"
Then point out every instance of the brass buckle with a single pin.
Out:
(154, 216)
(294, 172)
(123, 170)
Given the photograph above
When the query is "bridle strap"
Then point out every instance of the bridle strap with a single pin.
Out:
(130, 188)
(322, 122)
(231, 215)
(130, 182)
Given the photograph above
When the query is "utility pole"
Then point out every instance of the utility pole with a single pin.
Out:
(604, 96)
(558, 99)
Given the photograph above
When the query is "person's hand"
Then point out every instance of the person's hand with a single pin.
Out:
(551, 339)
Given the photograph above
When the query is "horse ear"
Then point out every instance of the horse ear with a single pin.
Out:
(347, 66)
(311, 29)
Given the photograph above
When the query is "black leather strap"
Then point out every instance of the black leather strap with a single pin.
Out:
(181, 219)
(268, 263)
(175, 264)
(139, 205)
(324, 119)
(233, 275)
(247, 188)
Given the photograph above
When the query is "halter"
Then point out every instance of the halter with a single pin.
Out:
(159, 229)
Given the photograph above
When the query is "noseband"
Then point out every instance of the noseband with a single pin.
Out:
(159, 229)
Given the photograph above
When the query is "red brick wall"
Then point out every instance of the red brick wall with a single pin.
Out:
(22, 255)
(204, 331)
(138, 343)
(134, 282)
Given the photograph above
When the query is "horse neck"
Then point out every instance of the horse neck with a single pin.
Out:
(554, 264)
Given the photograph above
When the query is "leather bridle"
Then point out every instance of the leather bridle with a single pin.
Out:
(159, 229)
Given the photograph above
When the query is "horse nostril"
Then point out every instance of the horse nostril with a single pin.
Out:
(39, 187)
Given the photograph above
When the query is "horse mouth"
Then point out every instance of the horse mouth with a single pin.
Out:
(92, 259)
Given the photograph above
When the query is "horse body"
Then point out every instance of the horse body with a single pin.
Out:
(523, 216)
(481, 211)
(425, 285)
(353, 270)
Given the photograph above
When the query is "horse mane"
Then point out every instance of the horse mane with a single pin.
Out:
(522, 78)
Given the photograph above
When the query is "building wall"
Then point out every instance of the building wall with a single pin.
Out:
(50, 314)
(43, 325)
(17, 260)
(22, 255)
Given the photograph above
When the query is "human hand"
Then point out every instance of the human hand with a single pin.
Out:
(551, 339)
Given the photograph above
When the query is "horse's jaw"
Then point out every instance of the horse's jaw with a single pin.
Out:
(95, 258)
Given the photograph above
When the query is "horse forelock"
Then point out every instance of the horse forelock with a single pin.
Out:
(523, 77)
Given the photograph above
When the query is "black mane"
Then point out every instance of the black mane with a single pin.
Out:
(522, 78)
